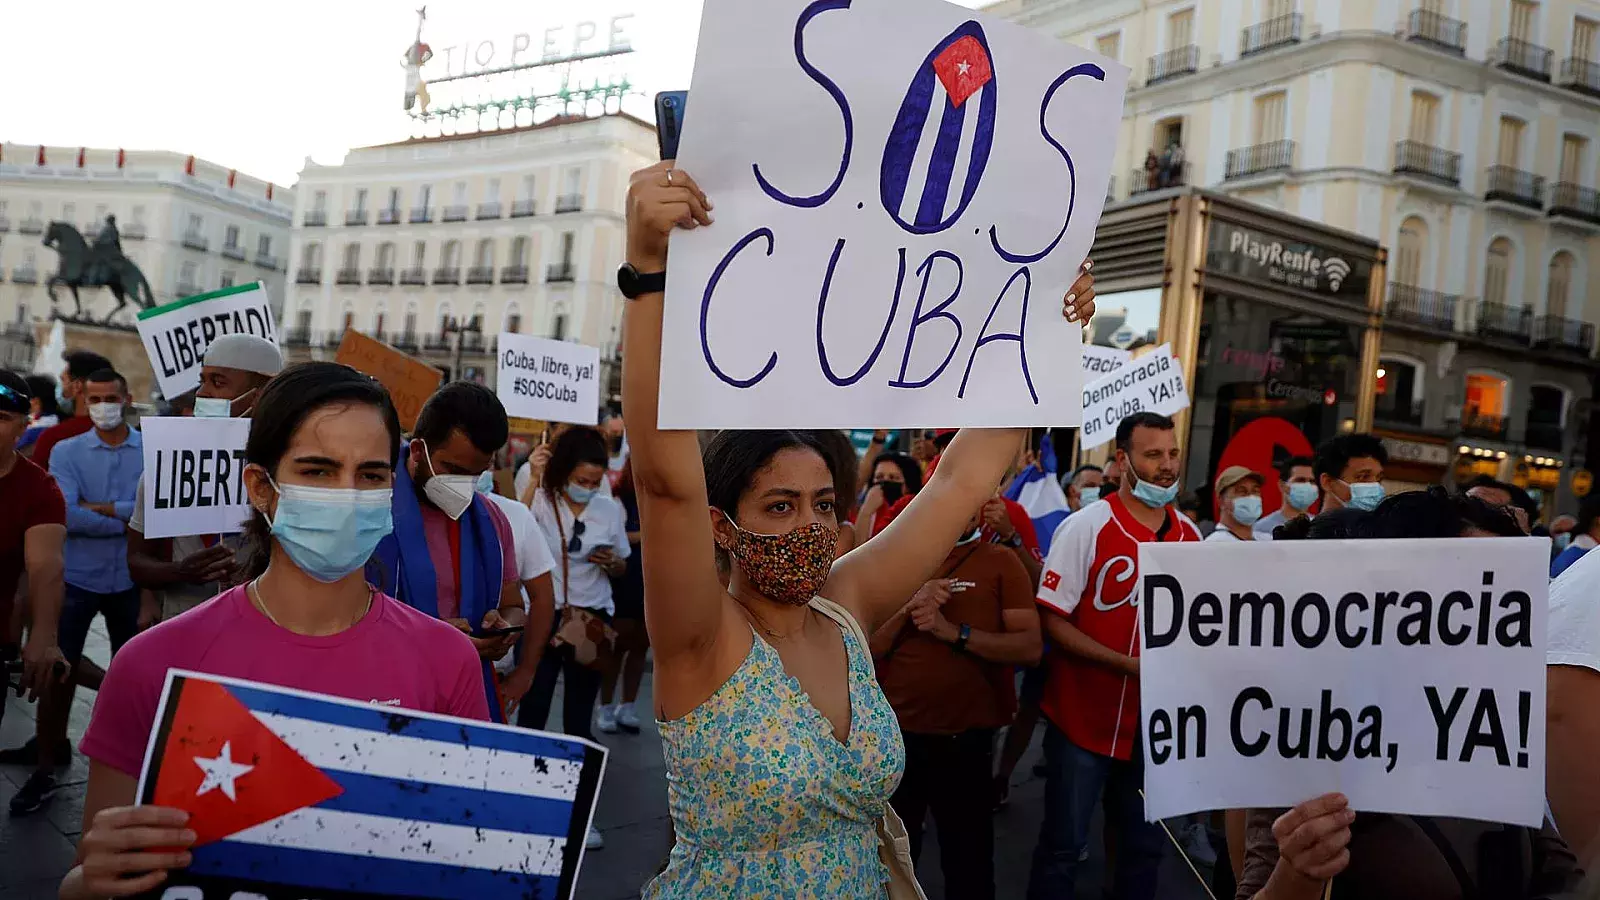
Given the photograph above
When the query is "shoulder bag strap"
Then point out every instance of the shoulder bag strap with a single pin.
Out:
(1469, 888)
(561, 533)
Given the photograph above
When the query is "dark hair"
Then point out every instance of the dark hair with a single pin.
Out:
(43, 389)
(14, 382)
(83, 363)
(1519, 497)
(572, 449)
(1435, 513)
(1588, 514)
(1343, 523)
(284, 404)
(1333, 456)
(843, 460)
(1086, 467)
(910, 469)
(1140, 420)
(472, 408)
(108, 375)
(733, 458)
(1287, 467)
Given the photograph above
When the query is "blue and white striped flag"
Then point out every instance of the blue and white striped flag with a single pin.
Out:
(301, 796)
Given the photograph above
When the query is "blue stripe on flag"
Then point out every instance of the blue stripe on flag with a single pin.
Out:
(346, 872)
(397, 721)
(1045, 527)
(398, 799)
(1013, 491)
(900, 152)
(940, 166)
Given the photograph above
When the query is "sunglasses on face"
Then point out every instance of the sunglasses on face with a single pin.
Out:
(13, 400)
(576, 544)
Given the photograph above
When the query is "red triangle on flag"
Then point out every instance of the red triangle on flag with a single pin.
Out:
(226, 769)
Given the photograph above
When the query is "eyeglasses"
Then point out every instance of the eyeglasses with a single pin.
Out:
(10, 396)
(576, 544)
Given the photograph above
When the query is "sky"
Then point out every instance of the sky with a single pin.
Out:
(260, 87)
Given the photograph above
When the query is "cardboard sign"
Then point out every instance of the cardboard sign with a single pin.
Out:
(410, 381)
(194, 476)
(1098, 360)
(903, 193)
(1409, 675)
(1152, 383)
(176, 335)
(557, 381)
(298, 796)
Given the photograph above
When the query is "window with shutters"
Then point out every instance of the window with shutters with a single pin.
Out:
(1180, 29)
(1497, 271)
(1523, 14)
(1109, 45)
(1269, 117)
(1573, 149)
(1511, 131)
(1424, 117)
(1583, 38)
(1556, 301)
(1409, 252)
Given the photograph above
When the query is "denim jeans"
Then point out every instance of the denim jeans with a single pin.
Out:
(1075, 782)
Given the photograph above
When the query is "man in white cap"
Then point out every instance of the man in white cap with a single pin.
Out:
(180, 573)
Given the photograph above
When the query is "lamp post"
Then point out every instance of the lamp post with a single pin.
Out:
(455, 327)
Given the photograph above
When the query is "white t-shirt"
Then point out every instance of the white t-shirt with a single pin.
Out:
(533, 554)
(525, 475)
(1222, 534)
(603, 523)
(1573, 625)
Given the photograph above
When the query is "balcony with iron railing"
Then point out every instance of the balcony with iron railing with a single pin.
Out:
(1434, 164)
(560, 272)
(297, 337)
(405, 340)
(388, 217)
(436, 341)
(1262, 159)
(314, 218)
(134, 232)
(1442, 33)
(1580, 75)
(1173, 64)
(472, 342)
(421, 215)
(480, 275)
(187, 289)
(1516, 187)
(1483, 425)
(1541, 434)
(514, 275)
(357, 217)
(24, 275)
(522, 208)
(1574, 201)
(347, 276)
(1399, 410)
(266, 261)
(447, 275)
(454, 213)
(233, 251)
(195, 241)
(414, 275)
(1144, 181)
(568, 203)
(1281, 31)
(1522, 58)
(308, 275)
(1500, 320)
(1418, 306)
(5, 224)
(489, 210)
(31, 226)
(1563, 334)
(376, 275)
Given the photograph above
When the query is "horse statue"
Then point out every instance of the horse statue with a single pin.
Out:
(100, 266)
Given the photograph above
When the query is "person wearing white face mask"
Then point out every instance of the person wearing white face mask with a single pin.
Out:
(1239, 507)
(451, 553)
(320, 470)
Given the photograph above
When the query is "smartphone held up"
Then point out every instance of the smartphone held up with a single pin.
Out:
(669, 121)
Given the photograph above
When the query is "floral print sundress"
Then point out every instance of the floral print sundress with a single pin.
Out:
(766, 802)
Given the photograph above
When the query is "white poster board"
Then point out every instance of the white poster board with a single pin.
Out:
(553, 381)
(176, 335)
(1098, 360)
(194, 476)
(1151, 383)
(1411, 675)
(903, 192)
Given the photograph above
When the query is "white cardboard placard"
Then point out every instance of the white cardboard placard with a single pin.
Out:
(1098, 360)
(176, 335)
(1151, 383)
(194, 476)
(553, 381)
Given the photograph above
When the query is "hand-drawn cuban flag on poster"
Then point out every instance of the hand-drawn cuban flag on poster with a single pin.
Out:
(941, 138)
(298, 796)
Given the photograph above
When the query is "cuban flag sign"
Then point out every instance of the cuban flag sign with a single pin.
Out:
(298, 796)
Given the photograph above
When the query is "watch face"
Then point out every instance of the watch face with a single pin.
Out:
(628, 280)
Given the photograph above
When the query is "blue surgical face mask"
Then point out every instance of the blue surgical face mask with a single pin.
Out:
(213, 408)
(1088, 495)
(63, 402)
(1365, 495)
(1154, 495)
(580, 494)
(485, 483)
(1563, 540)
(1247, 510)
(330, 532)
(1302, 494)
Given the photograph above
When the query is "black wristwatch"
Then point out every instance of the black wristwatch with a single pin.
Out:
(635, 284)
(962, 636)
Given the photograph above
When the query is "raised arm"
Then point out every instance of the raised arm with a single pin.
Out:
(684, 599)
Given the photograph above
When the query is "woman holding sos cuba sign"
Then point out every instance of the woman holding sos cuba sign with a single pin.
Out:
(781, 748)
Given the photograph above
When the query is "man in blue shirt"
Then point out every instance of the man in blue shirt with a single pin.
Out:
(1583, 536)
(98, 473)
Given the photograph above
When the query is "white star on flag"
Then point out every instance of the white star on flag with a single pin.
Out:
(221, 772)
(962, 67)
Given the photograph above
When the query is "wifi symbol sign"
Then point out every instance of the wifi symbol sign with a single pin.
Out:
(1337, 270)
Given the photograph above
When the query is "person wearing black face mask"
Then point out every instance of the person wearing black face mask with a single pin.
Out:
(895, 476)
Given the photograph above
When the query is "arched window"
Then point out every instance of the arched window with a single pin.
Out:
(1556, 299)
(484, 258)
(451, 258)
(513, 323)
(411, 321)
(1410, 252)
(1497, 271)
(1487, 399)
(386, 256)
(445, 317)
(349, 320)
(1399, 390)
(312, 256)
(378, 317)
(352, 256)
(519, 251)
(1547, 417)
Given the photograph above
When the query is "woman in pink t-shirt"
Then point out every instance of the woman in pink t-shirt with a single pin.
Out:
(321, 459)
